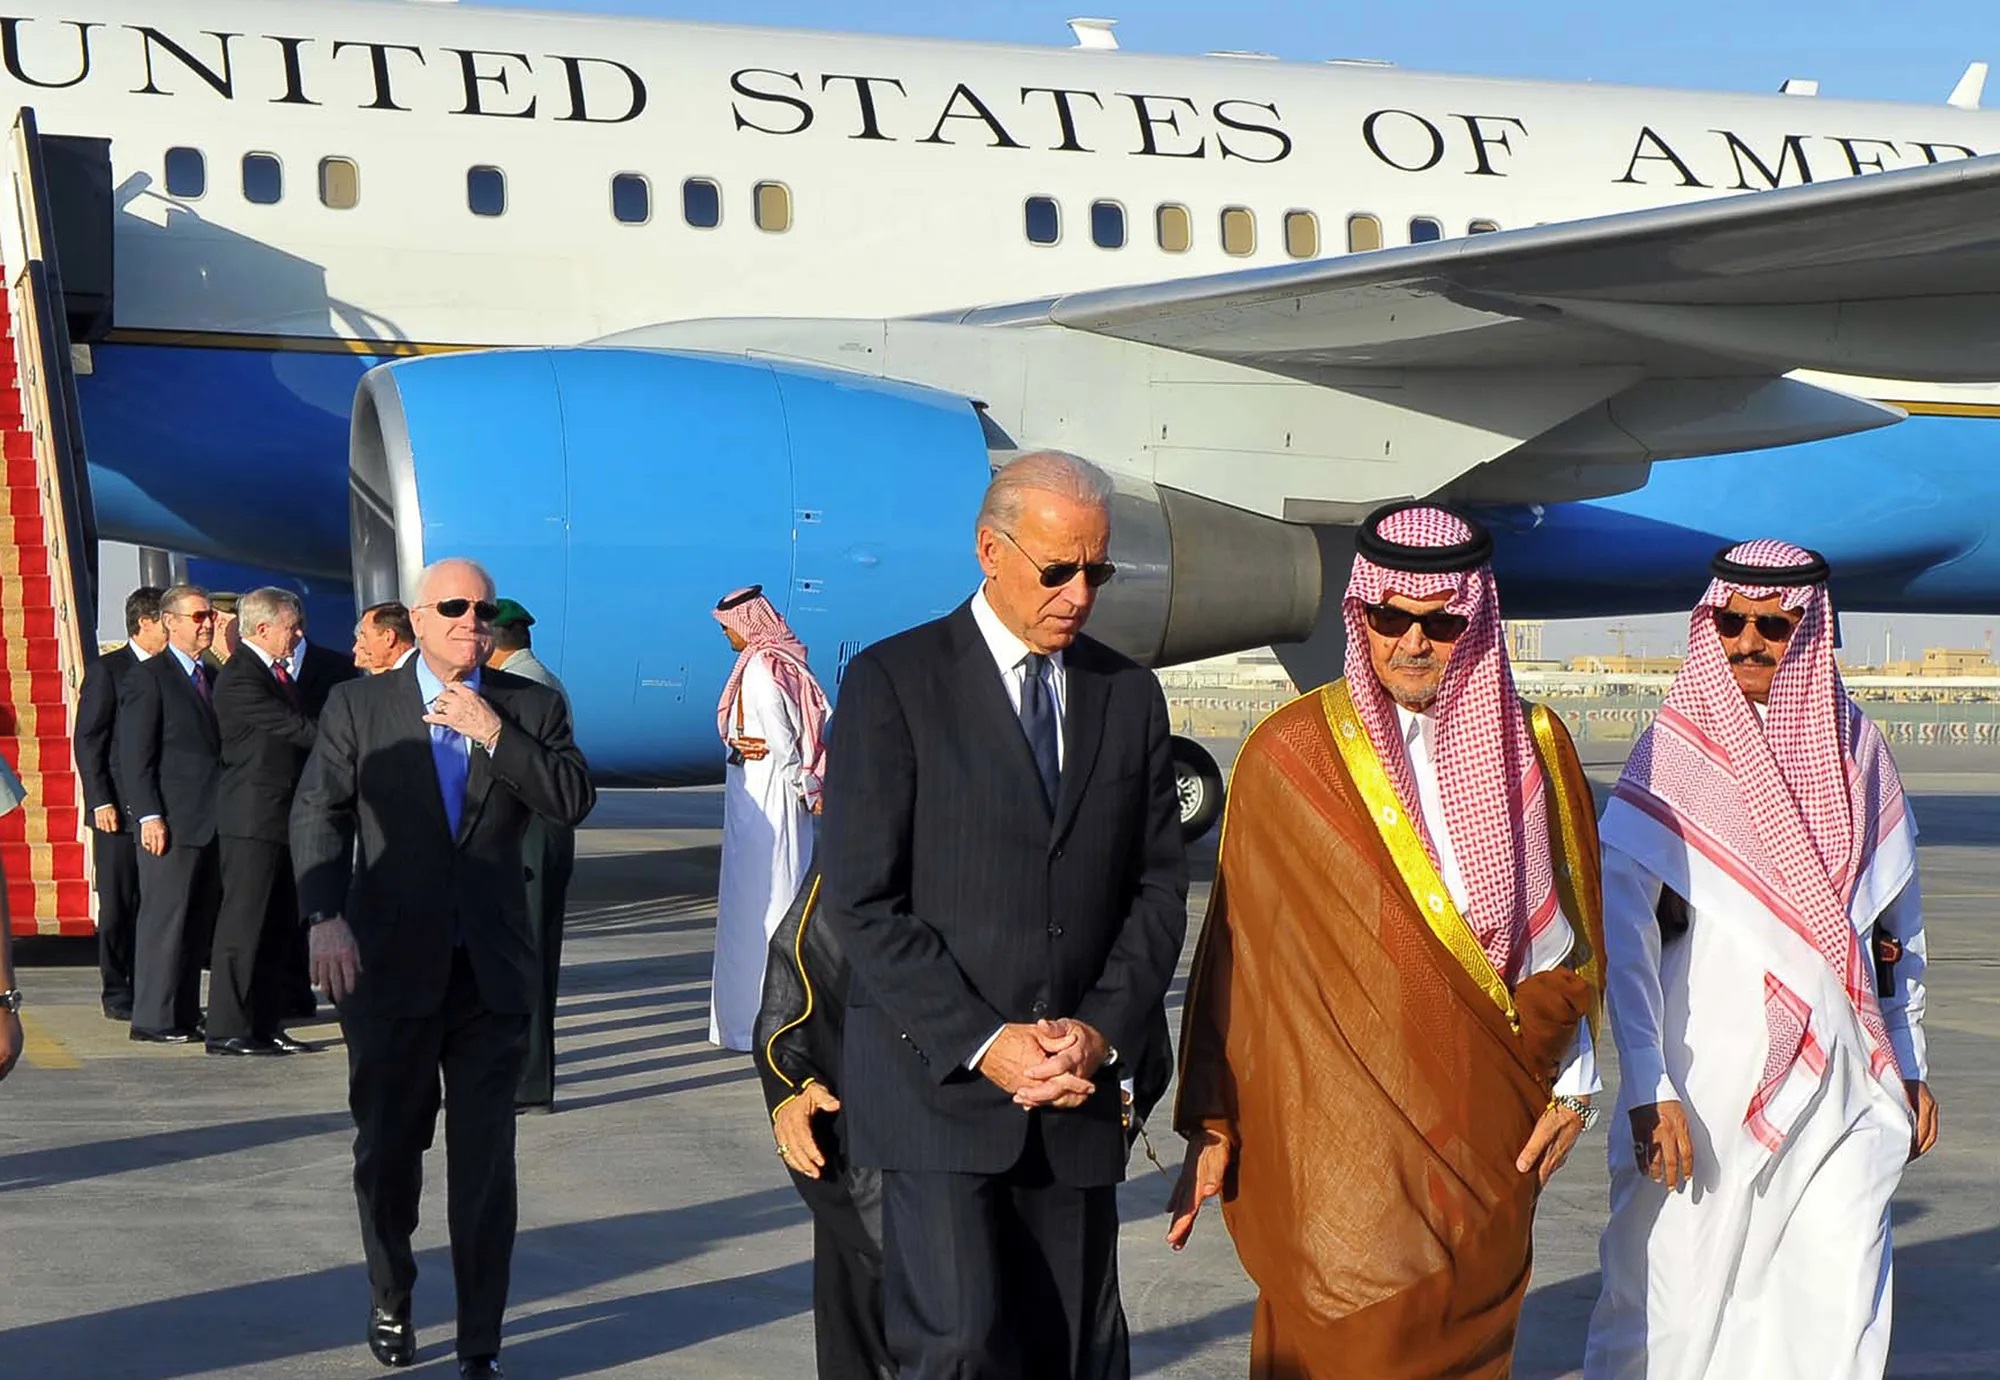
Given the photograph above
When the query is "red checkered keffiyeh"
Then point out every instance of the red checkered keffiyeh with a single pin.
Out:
(767, 634)
(1791, 809)
(1488, 775)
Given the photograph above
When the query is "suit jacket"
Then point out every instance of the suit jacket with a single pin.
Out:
(96, 718)
(318, 674)
(169, 749)
(370, 840)
(962, 900)
(265, 740)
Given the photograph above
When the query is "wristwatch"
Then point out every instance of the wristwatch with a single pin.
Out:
(1581, 1106)
(10, 1000)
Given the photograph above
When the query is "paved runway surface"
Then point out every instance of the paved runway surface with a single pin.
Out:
(168, 1215)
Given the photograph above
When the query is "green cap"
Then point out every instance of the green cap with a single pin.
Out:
(507, 614)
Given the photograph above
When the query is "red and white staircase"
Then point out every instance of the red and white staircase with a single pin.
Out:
(42, 844)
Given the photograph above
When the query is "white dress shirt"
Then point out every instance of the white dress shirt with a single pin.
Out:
(1010, 656)
(1579, 1074)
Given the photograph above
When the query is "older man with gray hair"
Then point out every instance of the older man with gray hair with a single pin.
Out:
(1003, 867)
(266, 735)
(406, 837)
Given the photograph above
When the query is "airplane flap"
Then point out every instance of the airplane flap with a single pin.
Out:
(1895, 274)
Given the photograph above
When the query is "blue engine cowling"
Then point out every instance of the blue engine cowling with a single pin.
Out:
(618, 494)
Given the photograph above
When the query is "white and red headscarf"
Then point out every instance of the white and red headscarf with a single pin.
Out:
(748, 614)
(1791, 810)
(1490, 780)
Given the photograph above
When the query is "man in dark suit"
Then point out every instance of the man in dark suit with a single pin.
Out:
(111, 844)
(1003, 867)
(315, 671)
(170, 758)
(406, 838)
(265, 738)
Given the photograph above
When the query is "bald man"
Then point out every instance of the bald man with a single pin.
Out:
(421, 937)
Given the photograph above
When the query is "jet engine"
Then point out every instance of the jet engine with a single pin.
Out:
(619, 493)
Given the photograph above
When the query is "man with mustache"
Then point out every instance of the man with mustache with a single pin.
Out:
(1766, 949)
(1387, 1043)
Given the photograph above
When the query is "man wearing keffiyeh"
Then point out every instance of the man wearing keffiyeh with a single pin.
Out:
(772, 721)
(1387, 1042)
(1766, 948)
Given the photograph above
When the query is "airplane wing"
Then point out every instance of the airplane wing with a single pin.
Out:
(1892, 275)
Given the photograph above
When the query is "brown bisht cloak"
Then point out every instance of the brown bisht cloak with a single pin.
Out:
(1378, 1091)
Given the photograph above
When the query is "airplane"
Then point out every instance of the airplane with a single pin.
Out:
(639, 312)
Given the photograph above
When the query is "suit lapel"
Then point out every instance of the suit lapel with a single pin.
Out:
(406, 722)
(992, 714)
(1086, 696)
(204, 709)
(479, 770)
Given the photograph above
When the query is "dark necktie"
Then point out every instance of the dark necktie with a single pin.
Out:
(1038, 721)
(285, 682)
(199, 675)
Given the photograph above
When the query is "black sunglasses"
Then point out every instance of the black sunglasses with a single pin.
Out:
(1772, 627)
(485, 610)
(1389, 621)
(1096, 574)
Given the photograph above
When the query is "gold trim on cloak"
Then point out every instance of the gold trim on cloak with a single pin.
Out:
(1406, 848)
(1586, 952)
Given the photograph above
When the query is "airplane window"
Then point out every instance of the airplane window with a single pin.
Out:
(1044, 220)
(263, 179)
(1107, 225)
(486, 191)
(1481, 227)
(1239, 231)
(1301, 234)
(1363, 233)
(1426, 230)
(701, 203)
(339, 183)
(631, 199)
(187, 173)
(774, 207)
(1176, 228)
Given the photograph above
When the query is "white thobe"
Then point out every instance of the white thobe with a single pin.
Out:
(1579, 1072)
(767, 842)
(1773, 1266)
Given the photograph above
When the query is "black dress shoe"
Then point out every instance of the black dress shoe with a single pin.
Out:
(113, 1011)
(239, 1046)
(391, 1337)
(163, 1037)
(287, 1045)
(482, 1368)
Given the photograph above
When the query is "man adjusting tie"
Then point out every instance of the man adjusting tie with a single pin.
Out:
(406, 835)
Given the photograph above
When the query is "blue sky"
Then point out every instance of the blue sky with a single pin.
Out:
(1858, 49)
(1855, 48)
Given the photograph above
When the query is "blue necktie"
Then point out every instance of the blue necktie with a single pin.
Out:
(1038, 722)
(448, 752)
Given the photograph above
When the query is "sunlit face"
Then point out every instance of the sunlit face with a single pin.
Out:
(1754, 653)
(1411, 665)
(191, 625)
(454, 647)
(279, 638)
(1052, 531)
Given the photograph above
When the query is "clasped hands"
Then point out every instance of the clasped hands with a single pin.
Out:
(1047, 1064)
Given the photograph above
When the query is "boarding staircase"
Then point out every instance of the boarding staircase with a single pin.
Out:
(48, 624)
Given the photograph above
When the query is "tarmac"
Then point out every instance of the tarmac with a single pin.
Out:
(167, 1215)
